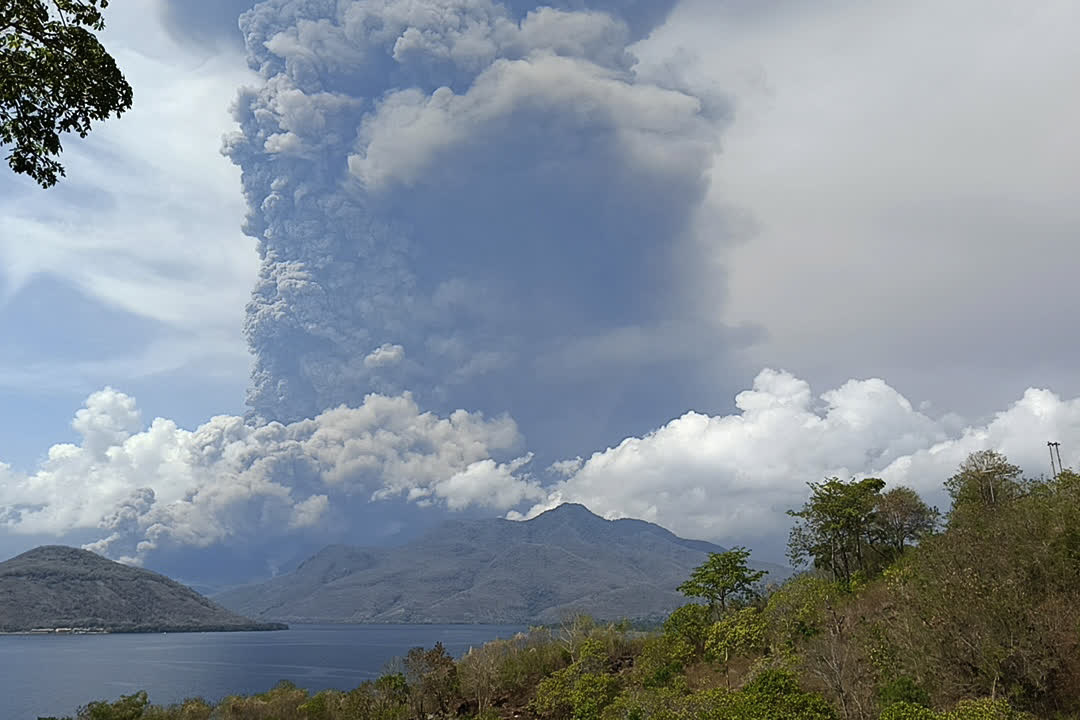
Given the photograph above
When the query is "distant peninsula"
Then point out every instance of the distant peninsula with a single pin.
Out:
(563, 562)
(56, 589)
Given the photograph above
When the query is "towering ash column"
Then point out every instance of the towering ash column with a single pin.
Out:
(468, 199)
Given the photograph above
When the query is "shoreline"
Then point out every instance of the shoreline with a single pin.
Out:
(146, 630)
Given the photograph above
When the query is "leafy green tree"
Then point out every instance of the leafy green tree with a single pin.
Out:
(988, 608)
(128, 707)
(55, 77)
(902, 517)
(902, 689)
(721, 578)
(387, 698)
(651, 703)
(662, 661)
(795, 612)
(771, 695)
(581, 691)
(985, 481)
(319, 707)
(837, 528)
(739, 633)
(690, 624)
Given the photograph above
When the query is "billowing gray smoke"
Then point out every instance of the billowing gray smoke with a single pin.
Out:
(477, 201)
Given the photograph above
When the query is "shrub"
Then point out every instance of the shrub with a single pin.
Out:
(902, 690)
(662, 659)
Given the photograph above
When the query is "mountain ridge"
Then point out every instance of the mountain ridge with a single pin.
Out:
(55, 586)
(563, 561)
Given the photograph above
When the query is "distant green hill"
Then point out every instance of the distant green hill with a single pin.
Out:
(63, 587)
(565, 561)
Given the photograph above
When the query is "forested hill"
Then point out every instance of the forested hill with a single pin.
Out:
(63, 587)
(564, 561)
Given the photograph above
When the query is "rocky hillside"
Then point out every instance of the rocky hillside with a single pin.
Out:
(62, 587)
(494, 571)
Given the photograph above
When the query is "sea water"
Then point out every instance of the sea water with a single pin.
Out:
(53, 675)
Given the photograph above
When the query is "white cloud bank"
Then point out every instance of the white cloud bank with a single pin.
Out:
(725, 478)
(731, 478)
(227, 480)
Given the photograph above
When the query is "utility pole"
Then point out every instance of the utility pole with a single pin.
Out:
(1055, 469)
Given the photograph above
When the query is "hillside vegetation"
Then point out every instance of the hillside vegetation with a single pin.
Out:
(904, 615)
(56, 586)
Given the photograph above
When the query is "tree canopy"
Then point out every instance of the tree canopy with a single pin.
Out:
(836, 532)
(722, 577)
(985, 481)
(55, 77)
(902, 517)
(853, 527)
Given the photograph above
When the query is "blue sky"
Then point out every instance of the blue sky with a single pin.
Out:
(672, 262)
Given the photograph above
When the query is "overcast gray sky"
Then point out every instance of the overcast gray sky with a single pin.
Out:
(527, 257)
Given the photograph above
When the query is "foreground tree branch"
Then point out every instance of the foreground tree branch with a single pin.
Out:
(55, 78)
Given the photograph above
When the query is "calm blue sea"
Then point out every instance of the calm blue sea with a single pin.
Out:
(53, 675)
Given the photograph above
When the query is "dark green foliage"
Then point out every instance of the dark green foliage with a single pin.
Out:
(837, 528)
(902, 690)
(55, 77)
(989, 607)
(776, 695)
(128, 707)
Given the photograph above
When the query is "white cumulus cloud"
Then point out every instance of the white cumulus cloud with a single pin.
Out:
(385, 355)
(727, 478)
(731, 478)
(144, 486)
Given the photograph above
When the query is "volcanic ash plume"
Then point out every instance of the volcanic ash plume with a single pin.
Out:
(452, 196)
